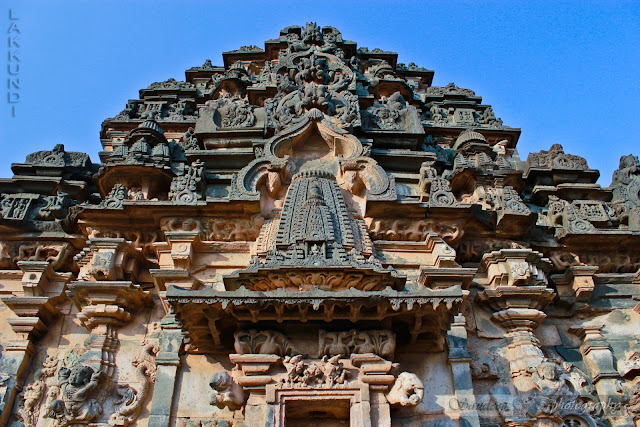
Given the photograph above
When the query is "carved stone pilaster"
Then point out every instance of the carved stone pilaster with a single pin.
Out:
(34, 313)
(168, 362)
(516, 289)
(598, 358)
(459, 361)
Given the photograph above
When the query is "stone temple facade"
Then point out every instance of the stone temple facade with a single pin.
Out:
(312, 234)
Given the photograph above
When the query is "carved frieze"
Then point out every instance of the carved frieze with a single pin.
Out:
(262, 342)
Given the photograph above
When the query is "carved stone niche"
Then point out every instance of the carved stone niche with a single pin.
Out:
(315, 242)
(142, 164)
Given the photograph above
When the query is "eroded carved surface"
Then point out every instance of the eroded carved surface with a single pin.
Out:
(311, 222)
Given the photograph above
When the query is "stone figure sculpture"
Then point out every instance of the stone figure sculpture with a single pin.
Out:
(407, 390)
(77, 385)
(226, 392)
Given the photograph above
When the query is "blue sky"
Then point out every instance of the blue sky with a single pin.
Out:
(564, 72)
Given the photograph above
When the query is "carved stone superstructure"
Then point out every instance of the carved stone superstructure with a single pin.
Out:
(313, 234)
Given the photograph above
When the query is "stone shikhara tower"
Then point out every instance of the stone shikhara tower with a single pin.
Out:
(312, 234)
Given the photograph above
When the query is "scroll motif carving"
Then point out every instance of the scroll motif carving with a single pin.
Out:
(130, 400)
(140, 239)
(115, 197)
(57, 254)
(484, 367)
(187, 188)
(567, 218)
(217, 229)
(435, 189)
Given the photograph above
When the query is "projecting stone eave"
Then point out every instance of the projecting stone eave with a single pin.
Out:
(426, 312)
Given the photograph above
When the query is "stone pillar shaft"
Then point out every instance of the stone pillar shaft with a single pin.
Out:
(459, 360)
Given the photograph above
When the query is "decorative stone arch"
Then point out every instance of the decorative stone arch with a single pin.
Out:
(352, 166)
(341, 142)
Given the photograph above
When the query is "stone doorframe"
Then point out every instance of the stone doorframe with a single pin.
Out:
(362, 412)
